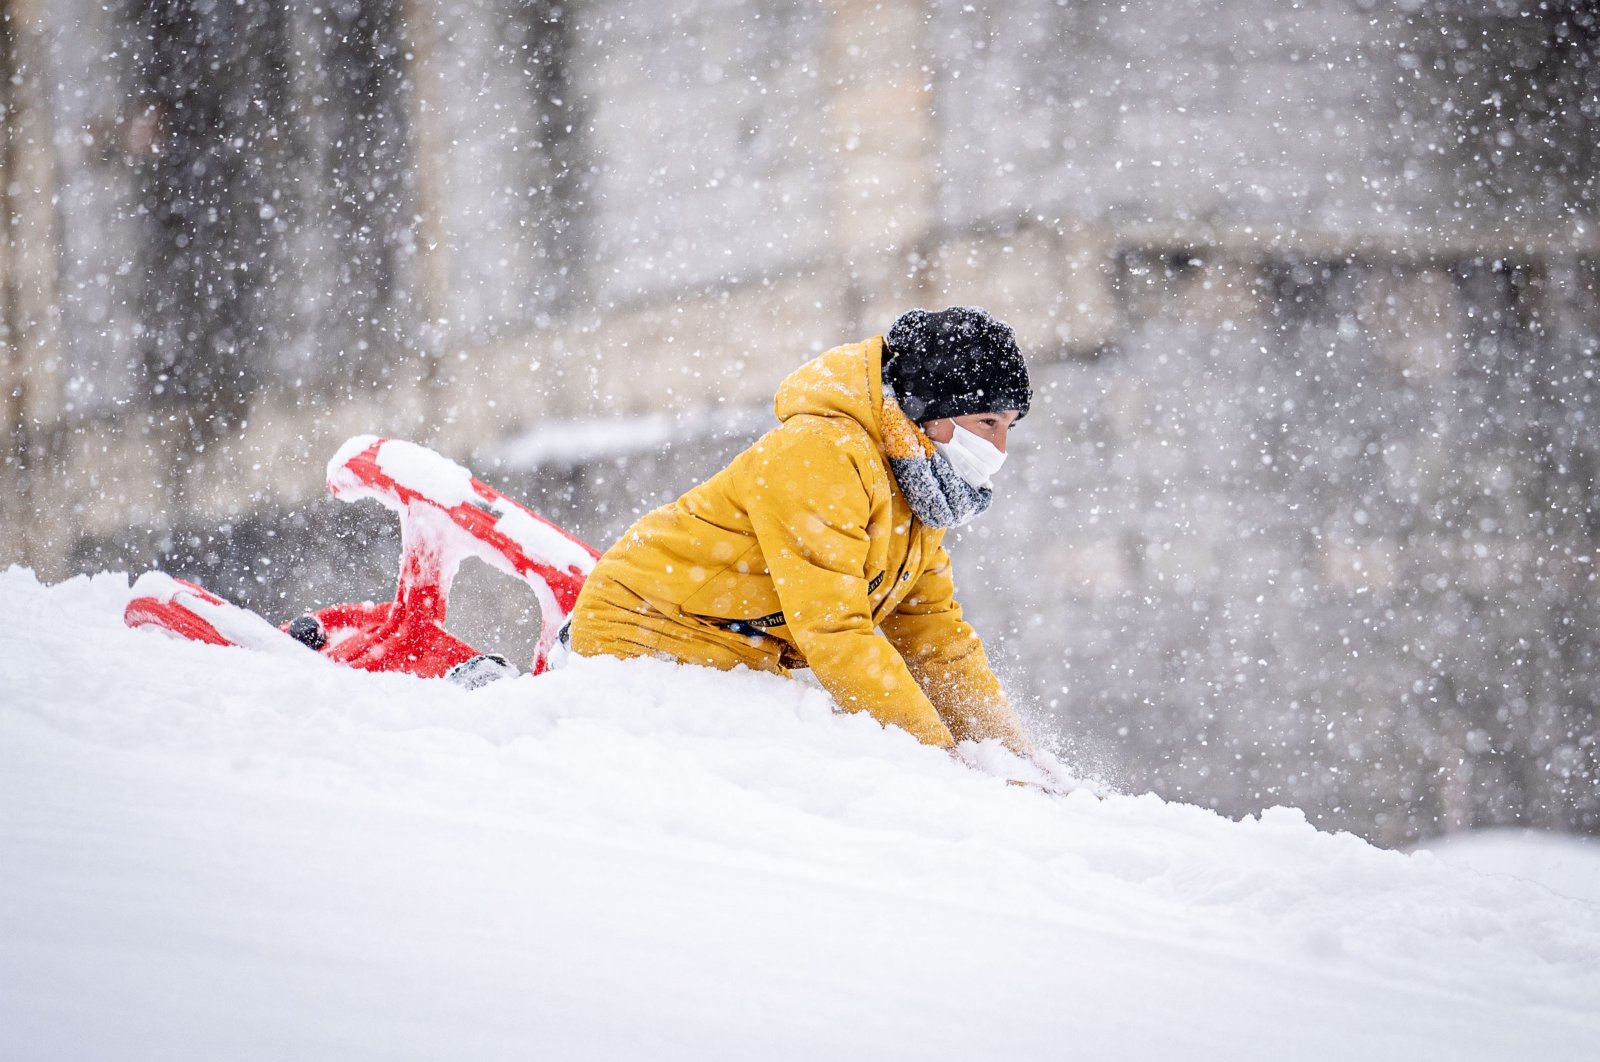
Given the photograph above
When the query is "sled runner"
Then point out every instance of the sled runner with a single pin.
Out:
(446, 516)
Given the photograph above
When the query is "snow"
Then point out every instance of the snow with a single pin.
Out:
(434, 477)
(341, 480)
(239, 625)
(1564, 863)
(414, 467)
(544, 542)
(585, 440)
(213, 853)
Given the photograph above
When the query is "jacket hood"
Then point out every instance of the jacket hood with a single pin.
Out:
(843, 382)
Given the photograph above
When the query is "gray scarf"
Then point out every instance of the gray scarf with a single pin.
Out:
(932, 487)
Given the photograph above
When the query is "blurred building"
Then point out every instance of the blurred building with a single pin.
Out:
(1306, 513)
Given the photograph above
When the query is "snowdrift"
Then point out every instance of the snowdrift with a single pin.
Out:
(1565, 863)
(209, 853)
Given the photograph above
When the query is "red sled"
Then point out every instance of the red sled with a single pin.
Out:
(446, 516)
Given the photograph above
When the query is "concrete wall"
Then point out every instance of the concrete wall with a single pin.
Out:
(758, 181)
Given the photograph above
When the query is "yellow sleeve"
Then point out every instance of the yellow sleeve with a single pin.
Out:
(809, 509)
(946, 658)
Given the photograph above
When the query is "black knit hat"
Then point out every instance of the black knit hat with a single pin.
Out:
(954, 362)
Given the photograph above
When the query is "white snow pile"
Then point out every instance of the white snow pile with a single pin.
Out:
(1564, 863)
(210, 853)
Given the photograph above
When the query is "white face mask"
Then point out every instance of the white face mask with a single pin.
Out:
(974, 458)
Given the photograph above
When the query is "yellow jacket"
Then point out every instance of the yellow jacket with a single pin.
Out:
(806, 547)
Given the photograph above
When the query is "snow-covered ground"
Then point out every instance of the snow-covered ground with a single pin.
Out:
(1564, 863)
(216, 854)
